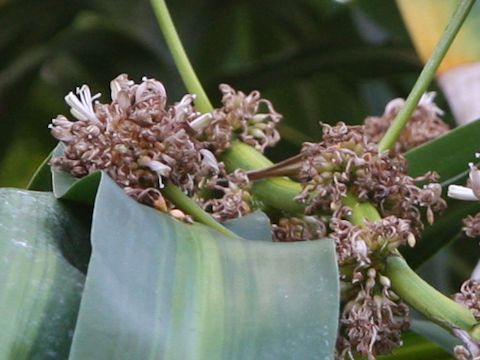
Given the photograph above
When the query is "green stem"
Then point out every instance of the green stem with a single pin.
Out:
(277, 192)
(425, 299)
(361, 211)
(240, 155)
(411, 287)
(426, 76)
(184, 203)
(180, 57)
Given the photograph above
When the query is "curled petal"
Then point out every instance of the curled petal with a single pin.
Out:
(461, 193)
(475, 180)
(209, 160)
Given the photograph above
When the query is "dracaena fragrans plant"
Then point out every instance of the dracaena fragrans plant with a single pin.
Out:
(192, 162)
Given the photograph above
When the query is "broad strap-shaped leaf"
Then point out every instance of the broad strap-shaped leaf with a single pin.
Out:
(40, 289)
(449, 156)
(161, 289)
(254, 226)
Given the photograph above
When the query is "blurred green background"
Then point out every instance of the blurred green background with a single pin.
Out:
(317, 60)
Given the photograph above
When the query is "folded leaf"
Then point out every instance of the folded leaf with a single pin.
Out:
(161, 289)
(40, 289)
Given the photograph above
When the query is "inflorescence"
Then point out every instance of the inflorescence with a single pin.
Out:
(144, 143)
(347, 163)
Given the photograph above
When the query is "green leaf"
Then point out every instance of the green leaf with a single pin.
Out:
(449, 156)
(42, 178)
(435, 333)
(161, 289)
(40, 289)
(255, 226)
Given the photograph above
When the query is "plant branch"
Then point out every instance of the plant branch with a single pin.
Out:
(180, 57)
(428, 301)
(411, 287)
(184, 203)
(426, 76)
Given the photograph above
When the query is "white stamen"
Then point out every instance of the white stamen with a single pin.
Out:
(427, 100)
(81, 106)
(461, 193)
(158, 167)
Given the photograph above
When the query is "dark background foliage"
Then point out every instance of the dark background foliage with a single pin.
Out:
(317, 60)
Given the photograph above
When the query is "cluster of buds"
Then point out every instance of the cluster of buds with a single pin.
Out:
(346, 161)
(142, 142)
(373, 316)
(424, 125)
(469, 296)
(138, 139)
(372, 322)
(235, 200)
(250, 117)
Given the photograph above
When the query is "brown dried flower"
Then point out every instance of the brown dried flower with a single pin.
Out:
(251, 117)
(471, 225)
(372, 322)
(424, 125)
(346, 161)
(235, 200)
(299, 229)
(469, 296)
(138, 139)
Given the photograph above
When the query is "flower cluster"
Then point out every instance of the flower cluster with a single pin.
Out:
(469, 296)
(373, 317)
(346, 164)
(235, 200)
(299, 229)
(373, 321)
(346, 161)
(250, 117)
(424, 125)
(138, 139)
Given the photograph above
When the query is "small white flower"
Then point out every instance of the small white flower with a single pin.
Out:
(160, 168)
(209, 160)
(461, 193)
(466, 193)
(81, 106)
